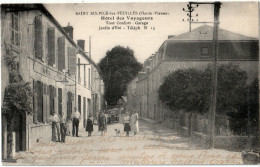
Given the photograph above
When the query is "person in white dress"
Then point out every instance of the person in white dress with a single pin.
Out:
(134, 123)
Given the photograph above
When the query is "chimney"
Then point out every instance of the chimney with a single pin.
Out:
(81, 44)
(171, 36)
(69, 30)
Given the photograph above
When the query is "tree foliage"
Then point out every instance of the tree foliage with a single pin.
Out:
(118, 68)
(18, 94)
(189, 89)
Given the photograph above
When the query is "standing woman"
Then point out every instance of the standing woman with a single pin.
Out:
(127, 127)
(89, 126)
(134, 123)
(101, 123)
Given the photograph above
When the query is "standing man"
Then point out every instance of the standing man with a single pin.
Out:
(55, 127)
(63, 127)
(75, 122)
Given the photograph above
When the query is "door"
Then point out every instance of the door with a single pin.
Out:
(40, 101)
(84, 111)
(60, 101)
(69, 105)
(89, 107)
(79, 104)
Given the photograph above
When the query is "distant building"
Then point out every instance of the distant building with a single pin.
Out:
(191, 49)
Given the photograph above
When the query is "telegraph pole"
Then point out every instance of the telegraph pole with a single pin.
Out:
(189, 11)
(214, 75)
(214, 79)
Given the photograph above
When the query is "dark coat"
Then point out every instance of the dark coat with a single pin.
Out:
(89, 126)
(101, 122)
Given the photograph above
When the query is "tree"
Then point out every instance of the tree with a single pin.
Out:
(189, 90)
(118, 68)
(186, 89)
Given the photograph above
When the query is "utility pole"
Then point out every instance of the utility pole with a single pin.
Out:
(214, 75)
(90, 46)
(189, 11)
(214, 79)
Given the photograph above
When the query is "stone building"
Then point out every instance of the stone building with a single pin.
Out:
(58, 70)
(191, 49)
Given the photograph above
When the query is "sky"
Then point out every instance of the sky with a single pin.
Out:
(238, 17)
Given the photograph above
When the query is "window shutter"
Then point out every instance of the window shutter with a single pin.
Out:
(44, 104)
(38, 43)
(35, 102)
(72, 60)
(40, 101)
(61, 53)
(51, 46)
(51, 99)
(48, 108)
(54, 92)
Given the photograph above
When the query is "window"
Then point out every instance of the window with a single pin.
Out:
(61, 53)
(89, 78)
(85, 83)
(15, 29)
(72, 61)
(51, 46)
(79, 103)
(205, 51)
(79, 69)
(38, 40)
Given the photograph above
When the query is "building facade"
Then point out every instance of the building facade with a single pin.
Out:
(194, 50)
(58, 70)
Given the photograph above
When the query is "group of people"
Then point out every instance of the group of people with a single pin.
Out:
(59, 125)
(131, 123)
(59, 122)
(102, 123)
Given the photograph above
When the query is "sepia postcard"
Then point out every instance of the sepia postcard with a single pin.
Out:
(130, 83)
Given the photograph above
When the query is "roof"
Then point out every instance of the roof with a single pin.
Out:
(205, 32)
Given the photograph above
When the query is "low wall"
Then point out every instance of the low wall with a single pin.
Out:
(40, 133)
(237, 143)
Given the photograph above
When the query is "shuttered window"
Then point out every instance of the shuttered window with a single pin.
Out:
(51, 46)
(38, 42)
(51, 98)
(69, 105)
(44, 111)
(35, 103)
(85, 83)
(60, 101)
(72, 60)
(39, 101)
(79, 69)
(79, 103)
(61, 53)
(89, 78)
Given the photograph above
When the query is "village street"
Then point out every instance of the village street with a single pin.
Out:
(153, 145)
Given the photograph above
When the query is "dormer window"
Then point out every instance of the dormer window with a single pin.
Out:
(204, 51)
(203, 32)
